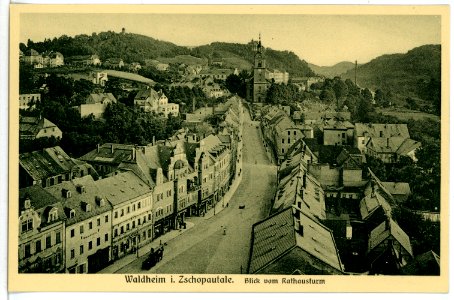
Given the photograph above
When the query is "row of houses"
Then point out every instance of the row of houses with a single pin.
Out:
(386, 142)
(312, 231)
(41, 60)
(77, 215)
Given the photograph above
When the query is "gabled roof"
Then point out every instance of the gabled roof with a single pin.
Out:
(100, 98)
(32, 125)
(275, 236)
(46, 163)
(398, 145)
(77, 199)
(397, 188)
(389, 229)
(427, 263)
(109, 153)
(370, 203)
(122, 187)
(387, 130)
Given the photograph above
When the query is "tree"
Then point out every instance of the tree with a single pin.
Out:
(328, 95)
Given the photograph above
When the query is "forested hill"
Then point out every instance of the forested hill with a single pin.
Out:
(242, 56)
(136, 48)
(128, 46)
(416, 73)
(333, 71)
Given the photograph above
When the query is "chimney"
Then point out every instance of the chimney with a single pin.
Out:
(97, 147)
(112, 148)
(133, 153)
(154, 140)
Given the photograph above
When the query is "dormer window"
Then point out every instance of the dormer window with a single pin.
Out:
(72, 213)
(81, 189)
(100, 201)
(66, 193)
(27, 204)
(86, 206)
(53, 215)
(27, 225)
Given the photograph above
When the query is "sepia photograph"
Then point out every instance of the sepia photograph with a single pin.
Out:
(236, 148)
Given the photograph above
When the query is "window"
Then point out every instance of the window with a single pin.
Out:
(106, 218)
(98, 221)
(27, 250)
(73, 253)
(122, 212)
(48, 241)
(289, 140)
(98, 241)
(127, 226)
(149, 233)
(106, 237)
(81, 249)
(134, 207)
(90, 226)
(282, 150)
(115, 232)
(116, 215)
(138, 222)
(283, 141)
(90, 245)
(38, 246)
(72, 233)
(138, 204)
(133, 224)
(81, 229)
(128, 210)
(27, 225)
(294, 132)
(81, 269)
(122, 230)
(149, 217)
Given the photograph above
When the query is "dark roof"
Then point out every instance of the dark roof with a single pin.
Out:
(32, 125)
(427, 263)
(109, 153)
(42, 202)
(47, 162)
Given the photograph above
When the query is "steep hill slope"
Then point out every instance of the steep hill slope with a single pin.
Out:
(416, 73)
(333, 71)
(242, 57)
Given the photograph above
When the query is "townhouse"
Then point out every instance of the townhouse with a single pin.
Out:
(88, 227)
(41, 232)
(132, 212)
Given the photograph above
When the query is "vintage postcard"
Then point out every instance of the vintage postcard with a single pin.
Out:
(228, 148)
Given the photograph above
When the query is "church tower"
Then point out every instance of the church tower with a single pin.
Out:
(260, 84)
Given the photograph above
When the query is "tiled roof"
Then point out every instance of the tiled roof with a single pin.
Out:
(47, 162)
(109, 153)
(387, 229)
(397, 188)
(100, 98)
(427, 263)
(32, 125)
(77, 199)
(372, 202)
(387, 130)
(271, 238)
(122, 187)
(42, 202)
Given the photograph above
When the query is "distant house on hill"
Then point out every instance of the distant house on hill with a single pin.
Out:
(160, 66)
(31, 128)
(364, 132)
(28, 100)
(99, 78)
(96, 104)
(33, 57)
(54, 59)
(151, 101)
(390, 150)
(277, 76)
(84, 60)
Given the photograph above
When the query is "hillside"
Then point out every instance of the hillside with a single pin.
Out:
(242, 57)
(332, 71)
(416, 73)
(128, 46)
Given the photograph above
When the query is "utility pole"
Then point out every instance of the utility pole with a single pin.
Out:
(356, 67)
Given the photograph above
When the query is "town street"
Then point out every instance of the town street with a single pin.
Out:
(205, 249)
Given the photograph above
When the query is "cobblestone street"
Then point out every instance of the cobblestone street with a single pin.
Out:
(220, 243)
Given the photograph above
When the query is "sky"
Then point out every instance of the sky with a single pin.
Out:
(323, 40)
